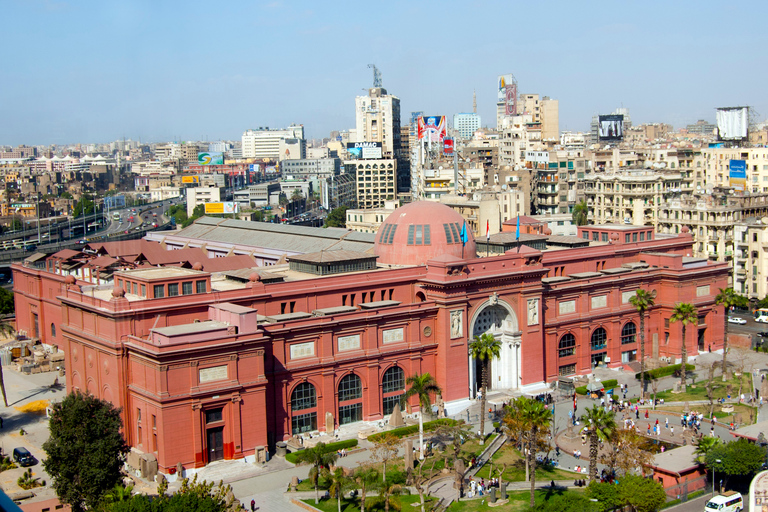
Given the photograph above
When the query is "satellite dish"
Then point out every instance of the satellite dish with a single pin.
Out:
(765, 220)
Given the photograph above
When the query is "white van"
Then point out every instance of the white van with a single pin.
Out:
(731, 501)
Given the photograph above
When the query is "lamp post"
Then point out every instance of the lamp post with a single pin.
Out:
(714, 479)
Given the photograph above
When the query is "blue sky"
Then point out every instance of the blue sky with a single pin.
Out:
(81, 71)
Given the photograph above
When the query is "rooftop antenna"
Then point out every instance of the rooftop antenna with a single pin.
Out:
(376, 75)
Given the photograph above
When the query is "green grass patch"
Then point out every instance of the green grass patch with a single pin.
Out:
(515, 471)
(518, 500)
(607, 384)
(331, 447)
(353, 504)
(414, 429)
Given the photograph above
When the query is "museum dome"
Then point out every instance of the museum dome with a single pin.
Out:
(417, 232)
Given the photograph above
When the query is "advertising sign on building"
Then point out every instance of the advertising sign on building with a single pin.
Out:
(434, 128)
(209, 158)
(610, 128)
(738, 175)
(448, 146)
(508, 94)
(366, 150)
(254, 168)
(219, 208)
(190, 179)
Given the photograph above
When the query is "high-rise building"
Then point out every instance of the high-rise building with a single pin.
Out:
(466, 124)
(265, 143)
(550, 119)
(377, 119)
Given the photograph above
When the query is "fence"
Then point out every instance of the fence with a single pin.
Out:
(683, 489)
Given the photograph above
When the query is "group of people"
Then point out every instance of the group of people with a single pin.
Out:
(341, 453)
(481, 488)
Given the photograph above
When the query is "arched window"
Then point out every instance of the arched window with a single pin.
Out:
(628, 334)
(303, 400)
(350, 399)
(599, 339)
(567, 345)
(53, 330)
(392, 388)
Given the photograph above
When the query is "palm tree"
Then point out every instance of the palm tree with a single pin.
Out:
(687, 314)
(580, 213)
(422, 386)
(365, 476)
(536, 417)
(643, 301)
(118, 493)
(704, 445)
(6, 329)
(389, 495)
(726, 298)
(601, 425)
(338, 482)
(320, 457)
(484, 348)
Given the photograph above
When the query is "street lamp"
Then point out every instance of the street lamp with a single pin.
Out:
(717, 461)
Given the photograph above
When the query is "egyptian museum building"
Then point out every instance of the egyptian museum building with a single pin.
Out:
(210, 365)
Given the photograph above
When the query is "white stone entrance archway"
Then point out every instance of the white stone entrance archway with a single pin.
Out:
(497, 317)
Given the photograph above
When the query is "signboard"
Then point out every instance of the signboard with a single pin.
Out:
(610, 128)
(114, 201)
(434, 128)
(738, 175)
(366, 150)
(448, 146)
(732, 123)
(221, 208)
(254, 168)
(209, 158)
(508, 94)
(190, 179)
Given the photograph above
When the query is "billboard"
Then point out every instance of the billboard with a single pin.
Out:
(210, 158)
(254, 168)
(738, 175)
(434, 128)
(190, 179)
(365, 149)
(732, 123)
(610, 128)
(508, 94)
(225, 208)
(448, 146)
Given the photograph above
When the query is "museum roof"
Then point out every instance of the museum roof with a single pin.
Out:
(197, 327)
(332, 256)
(160, 273)
(752, 432)
(678, 460)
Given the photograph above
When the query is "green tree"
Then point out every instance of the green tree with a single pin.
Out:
(580, 214)
(606, 494)
(567, 502)
(297, 195)
(365, 476)
(336, 218)
(198, 212)
(484, 348)
(118, 493)
(66, 195)
(339, 481)
(422, 386)
(641, 494)
(726, 298)
(86, 430)
(684, 313)
(601, 425)
(7, 306)
(740, 458)
(537, 417)
(704, 445)
(389, 495)
(193, 496)
(642, 301)
(319, 456)
(84, 204)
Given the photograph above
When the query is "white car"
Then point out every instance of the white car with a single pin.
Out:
(736, 320)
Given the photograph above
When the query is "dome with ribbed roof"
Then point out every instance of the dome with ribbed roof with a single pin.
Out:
(417, 232)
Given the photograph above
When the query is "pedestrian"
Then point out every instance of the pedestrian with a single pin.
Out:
(672, 430)
(253, 505)
(646, 414)
(666, 423)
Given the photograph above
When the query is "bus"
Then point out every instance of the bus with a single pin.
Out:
(761, 315)
(116, 217)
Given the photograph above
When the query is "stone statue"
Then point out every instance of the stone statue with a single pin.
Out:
(455, 324)
(533, 311)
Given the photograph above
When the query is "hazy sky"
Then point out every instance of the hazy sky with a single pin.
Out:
(81, 71)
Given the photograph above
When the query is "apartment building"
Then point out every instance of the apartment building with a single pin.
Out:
(376, 180)
(264, 143)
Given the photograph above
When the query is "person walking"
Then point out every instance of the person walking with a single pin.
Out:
(253, 505)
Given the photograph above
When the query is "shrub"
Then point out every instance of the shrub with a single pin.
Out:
(665, 371)
(607, 384)
(670, 504)
(413, 429)
(331, 447)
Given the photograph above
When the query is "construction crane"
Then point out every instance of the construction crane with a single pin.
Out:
(376, 75)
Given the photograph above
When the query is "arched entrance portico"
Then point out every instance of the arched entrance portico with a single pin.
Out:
(497, 317)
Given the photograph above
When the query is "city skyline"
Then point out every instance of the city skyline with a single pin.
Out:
(94, 72)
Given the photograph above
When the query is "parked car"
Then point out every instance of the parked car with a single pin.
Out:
(763, 334)
(736, 320)
(23, 457)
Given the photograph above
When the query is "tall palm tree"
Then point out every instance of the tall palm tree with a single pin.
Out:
(389, 493)
(685, 313)
(365, 476)
(726, 298)
(704, 445)
(338, 481)
(536, 417)
(319, 457)
(580, 213)
(643, 301)
(484, 348)
(601, 425)
(422, 386)
(6, 329)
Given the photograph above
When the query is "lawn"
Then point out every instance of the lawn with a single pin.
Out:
(698, 391)
(746, 412)
(353, 504)
(515, 471)
(518, 500)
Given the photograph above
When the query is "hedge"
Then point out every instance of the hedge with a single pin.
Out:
(414, 429)
(607, 384)
(331, 447)
(665, 371)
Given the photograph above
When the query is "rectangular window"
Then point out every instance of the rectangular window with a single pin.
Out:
(135, 288)
(186, 288)
(568, 369)
(629, 356)
(304, 423)
(173, 289)
(626, 238)
(389, 402)
(159, 290)
(585, 235)
(213, 415)
(605, 237)
(634, 237)
(642, 237)
(595, 236)
(350, 413)
(143, 290)
(201, 287)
